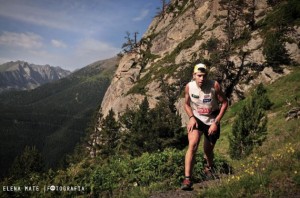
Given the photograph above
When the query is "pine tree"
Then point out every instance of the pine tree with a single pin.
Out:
(110, 134)
(237, 30)
(154, 129)
(262, 98)
(250, 126)
(30, 161)
(167, 125)
(162, 10)
(131, 44)
(274, 50)
(138, 124)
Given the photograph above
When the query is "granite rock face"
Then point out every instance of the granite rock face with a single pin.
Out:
(174, 40)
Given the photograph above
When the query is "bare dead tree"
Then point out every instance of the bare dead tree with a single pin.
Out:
(251, 16)
(135, 39)
(131, 44)
(162, 10)
(228, 73)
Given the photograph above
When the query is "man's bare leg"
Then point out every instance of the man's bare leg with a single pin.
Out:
(194, 138)
(208, 148)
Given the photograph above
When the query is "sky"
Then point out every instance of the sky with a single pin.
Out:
(70, 33)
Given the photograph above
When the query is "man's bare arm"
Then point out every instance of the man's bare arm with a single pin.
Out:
(188, 109)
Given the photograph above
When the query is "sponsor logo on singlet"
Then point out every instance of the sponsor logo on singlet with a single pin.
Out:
(206, 100)
(195, 96)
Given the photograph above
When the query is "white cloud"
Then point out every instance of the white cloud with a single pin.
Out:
(58, 27)
(4, 60)
(38, 16)
(71, 16)
(58, 44)
(25, 40)
(93, 50)
(142, 15)
(85, 52)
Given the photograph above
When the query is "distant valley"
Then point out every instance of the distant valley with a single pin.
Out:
(54, 116)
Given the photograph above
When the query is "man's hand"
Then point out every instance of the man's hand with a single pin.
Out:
(192, 124)
(212, 129)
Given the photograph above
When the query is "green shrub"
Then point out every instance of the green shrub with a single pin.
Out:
(211, 44)
(124, 174)
(284, 14)
(250, 126)
(30, 161)
(155, 129)
(274, 50)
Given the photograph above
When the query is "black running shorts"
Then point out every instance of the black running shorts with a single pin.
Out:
(204, 128)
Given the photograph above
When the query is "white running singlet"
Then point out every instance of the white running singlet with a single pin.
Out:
(204, 101)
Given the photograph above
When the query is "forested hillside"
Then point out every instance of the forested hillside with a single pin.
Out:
(52, 117)
(272, 169)
(136, 141)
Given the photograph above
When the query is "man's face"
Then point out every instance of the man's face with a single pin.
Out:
(200, 77)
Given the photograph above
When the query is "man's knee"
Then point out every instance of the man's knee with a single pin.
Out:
(208, 145)
(209, 148)
(193, 146)
(194, 139)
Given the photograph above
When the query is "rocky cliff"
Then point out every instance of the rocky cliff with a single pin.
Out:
(226, 36)
(21, 75)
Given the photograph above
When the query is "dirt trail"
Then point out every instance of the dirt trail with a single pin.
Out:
(178, 193)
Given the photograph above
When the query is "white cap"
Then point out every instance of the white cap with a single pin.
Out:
(200, 68)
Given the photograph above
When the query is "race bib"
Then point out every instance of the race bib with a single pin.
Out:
(204, 111)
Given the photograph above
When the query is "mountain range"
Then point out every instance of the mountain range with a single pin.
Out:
(243, 44)
(20, 75)
(54, 116)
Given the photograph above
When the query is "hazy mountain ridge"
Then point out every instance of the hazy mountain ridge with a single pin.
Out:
(21, 75)
(176, 39)
(54, 116)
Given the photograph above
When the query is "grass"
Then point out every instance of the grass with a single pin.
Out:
(273, 170)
